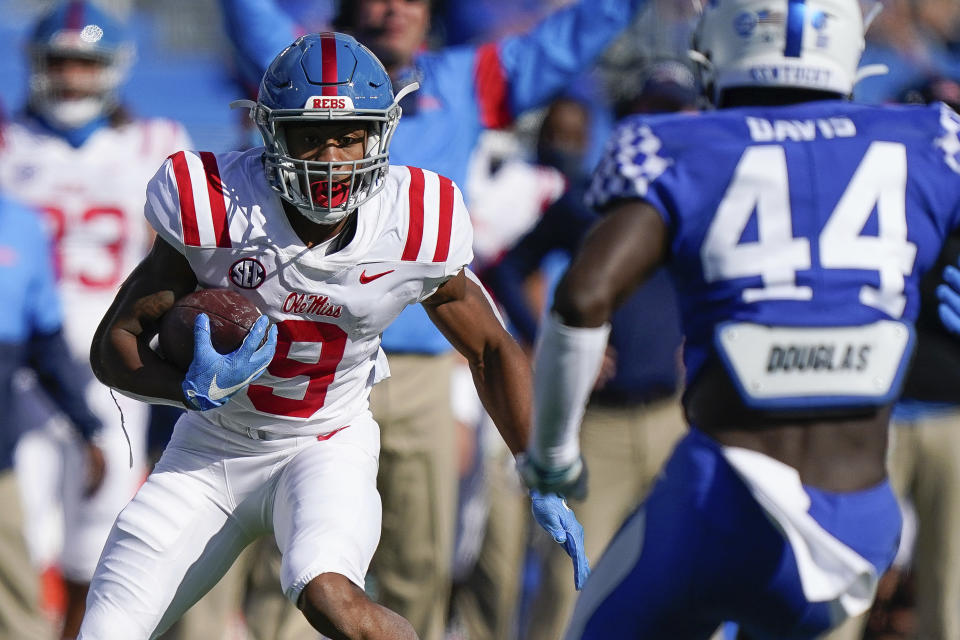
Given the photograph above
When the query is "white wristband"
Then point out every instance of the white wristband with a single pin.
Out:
(566, 364)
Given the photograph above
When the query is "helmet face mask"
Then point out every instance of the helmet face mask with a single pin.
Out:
(79, 57)
(796, 44)
(326, 78)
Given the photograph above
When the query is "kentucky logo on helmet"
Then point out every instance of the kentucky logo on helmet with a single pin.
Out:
(802, 44)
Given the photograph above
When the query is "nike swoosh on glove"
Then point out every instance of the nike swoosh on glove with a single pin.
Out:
(552, 513)
(213, 377)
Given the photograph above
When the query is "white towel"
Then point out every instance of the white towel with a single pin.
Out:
(830, 571)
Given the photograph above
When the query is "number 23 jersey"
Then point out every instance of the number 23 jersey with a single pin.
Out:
(822, 214)
(329, 308)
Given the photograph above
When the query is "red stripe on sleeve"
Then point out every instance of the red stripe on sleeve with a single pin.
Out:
(415, 232)
(493, 93)
(328, 51)
(217, 207)
(188, 212)
(446, 220)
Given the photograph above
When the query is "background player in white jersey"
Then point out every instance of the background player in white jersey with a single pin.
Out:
(75, 154)
(796, 225)
(330, 243)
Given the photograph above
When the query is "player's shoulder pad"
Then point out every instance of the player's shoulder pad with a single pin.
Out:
(186, 201)
(635, 157)
(432, 218)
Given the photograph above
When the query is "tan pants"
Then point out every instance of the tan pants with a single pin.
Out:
(418, 485)
(486, 603)
(624, 448)
(250, 588)
(20, 615)
(925, 466)
(269, 614)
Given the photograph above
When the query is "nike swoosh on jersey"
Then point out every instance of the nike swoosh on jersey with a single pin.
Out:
(364, 278)
(217, 393)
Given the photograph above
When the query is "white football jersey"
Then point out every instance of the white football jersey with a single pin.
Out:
(219, 211)
(93, 197)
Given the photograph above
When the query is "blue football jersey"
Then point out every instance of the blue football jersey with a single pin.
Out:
(820, 214)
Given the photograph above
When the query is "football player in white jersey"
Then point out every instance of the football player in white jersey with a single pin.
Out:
(330, 243)
(75, 155)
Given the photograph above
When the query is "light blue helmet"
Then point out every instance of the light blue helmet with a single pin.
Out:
(325, 77)
(77, 29)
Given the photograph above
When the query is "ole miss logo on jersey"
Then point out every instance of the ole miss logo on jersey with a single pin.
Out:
(247, 273)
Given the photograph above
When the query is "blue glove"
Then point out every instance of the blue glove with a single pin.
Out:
(949, 296)
(552, 513)
(212, 377)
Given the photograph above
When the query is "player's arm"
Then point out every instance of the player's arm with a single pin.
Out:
(501, 372)
(617, 256)
(527, 70)
(562, 227)
(58, 373)
(258, 29)
(120, 355)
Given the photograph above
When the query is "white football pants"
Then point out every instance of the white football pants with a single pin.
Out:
(211, 494)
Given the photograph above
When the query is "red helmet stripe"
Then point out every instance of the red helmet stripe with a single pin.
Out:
(328, 51)
(446, 220)
(75, 16)
(188, 212)
(218, 208)
(415, 231)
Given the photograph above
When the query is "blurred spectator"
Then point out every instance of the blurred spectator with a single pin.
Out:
(508, 194)
(30, 335)
(668, 85)
(914, 39)
(634, 415)
(463, 90)
(77, 155)
(933, 89)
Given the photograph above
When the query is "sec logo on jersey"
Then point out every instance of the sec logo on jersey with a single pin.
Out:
(247, 273)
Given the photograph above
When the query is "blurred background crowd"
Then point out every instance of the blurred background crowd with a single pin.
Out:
(497, 578)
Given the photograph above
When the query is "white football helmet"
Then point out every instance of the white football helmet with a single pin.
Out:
(799, 44)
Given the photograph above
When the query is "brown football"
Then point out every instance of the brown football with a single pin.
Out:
(231, 316)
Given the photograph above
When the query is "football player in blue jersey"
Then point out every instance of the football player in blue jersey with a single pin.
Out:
(796, 225)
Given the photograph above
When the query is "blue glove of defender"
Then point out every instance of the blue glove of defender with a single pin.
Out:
(552, 513)
(949, 296)
(212, 377)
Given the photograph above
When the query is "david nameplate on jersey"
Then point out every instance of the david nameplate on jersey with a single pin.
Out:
(796, 225)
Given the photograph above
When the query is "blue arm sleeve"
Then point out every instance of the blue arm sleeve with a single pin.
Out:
(47, 352)
(562, 227)
(538, 64)
(63, 379)
(259, 30)
(43, 305)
